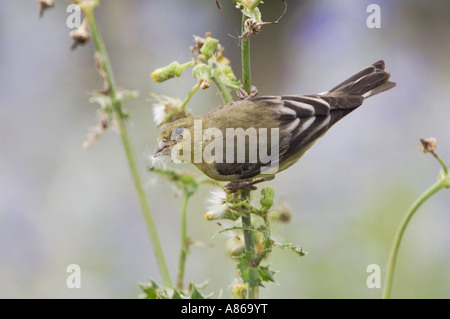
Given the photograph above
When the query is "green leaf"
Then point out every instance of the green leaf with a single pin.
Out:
(194, 292)
(267, 194)
(249, 274)
(176, 295)
(266, 273)
(152, 291)
(184, 182)
(294, 248)
(254, 14)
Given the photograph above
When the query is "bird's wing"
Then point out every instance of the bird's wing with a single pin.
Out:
(301, 120)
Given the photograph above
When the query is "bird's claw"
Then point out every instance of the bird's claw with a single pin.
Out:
(243, 95)
(234, 186)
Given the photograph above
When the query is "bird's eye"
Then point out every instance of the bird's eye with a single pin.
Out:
(177, 133)
(179, 130)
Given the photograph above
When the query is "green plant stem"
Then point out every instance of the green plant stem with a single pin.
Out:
(132, 162)
(444, 167)
(253, 291)
(247, 228)
(184, 241)
(400, 231)
(245, 59)
(223, 90)
(190, 95)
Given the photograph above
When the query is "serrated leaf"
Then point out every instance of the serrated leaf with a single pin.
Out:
(150, 290)
(176, 295)
(195, 294)
(249, 274)
(153, 291)
(294, 248)
(266, 273)
(184, 182)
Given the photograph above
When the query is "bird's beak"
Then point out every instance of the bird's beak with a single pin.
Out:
(162, 149)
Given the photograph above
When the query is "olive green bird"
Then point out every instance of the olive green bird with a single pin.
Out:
(300, 120)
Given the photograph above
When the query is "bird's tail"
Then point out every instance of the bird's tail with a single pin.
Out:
(366, 83)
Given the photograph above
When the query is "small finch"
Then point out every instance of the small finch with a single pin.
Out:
(298, 121)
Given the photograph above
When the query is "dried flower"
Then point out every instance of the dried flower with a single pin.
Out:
(168, 110)
(80, 36)
(97, 130)
(251, 27)
(428, 145)
(44, 5)
(217, 204)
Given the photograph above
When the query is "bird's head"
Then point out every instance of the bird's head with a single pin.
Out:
(172, 134)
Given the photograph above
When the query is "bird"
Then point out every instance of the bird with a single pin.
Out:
(298, 120)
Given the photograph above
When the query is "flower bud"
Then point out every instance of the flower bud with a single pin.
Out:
(202, 58)
(267, 197)
(239, 291)
(209, 46)
(167, 72)
(202, 73)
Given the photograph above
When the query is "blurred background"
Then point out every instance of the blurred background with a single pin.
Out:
(61, 205)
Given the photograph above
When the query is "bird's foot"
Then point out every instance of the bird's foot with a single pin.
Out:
(243, 95)
(234, 186)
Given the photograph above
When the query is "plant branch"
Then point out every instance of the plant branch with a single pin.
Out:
(132, 162)
(247, 228)
(253, 291)
(444, 167)
(184, 241)
(245, 59)
(189, 96)
(441, 183)
(223, 90)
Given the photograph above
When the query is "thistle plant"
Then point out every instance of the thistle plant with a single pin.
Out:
(251, 241)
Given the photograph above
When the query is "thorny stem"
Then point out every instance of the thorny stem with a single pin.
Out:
(184, 241)
(132, 162)
(252, 291)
